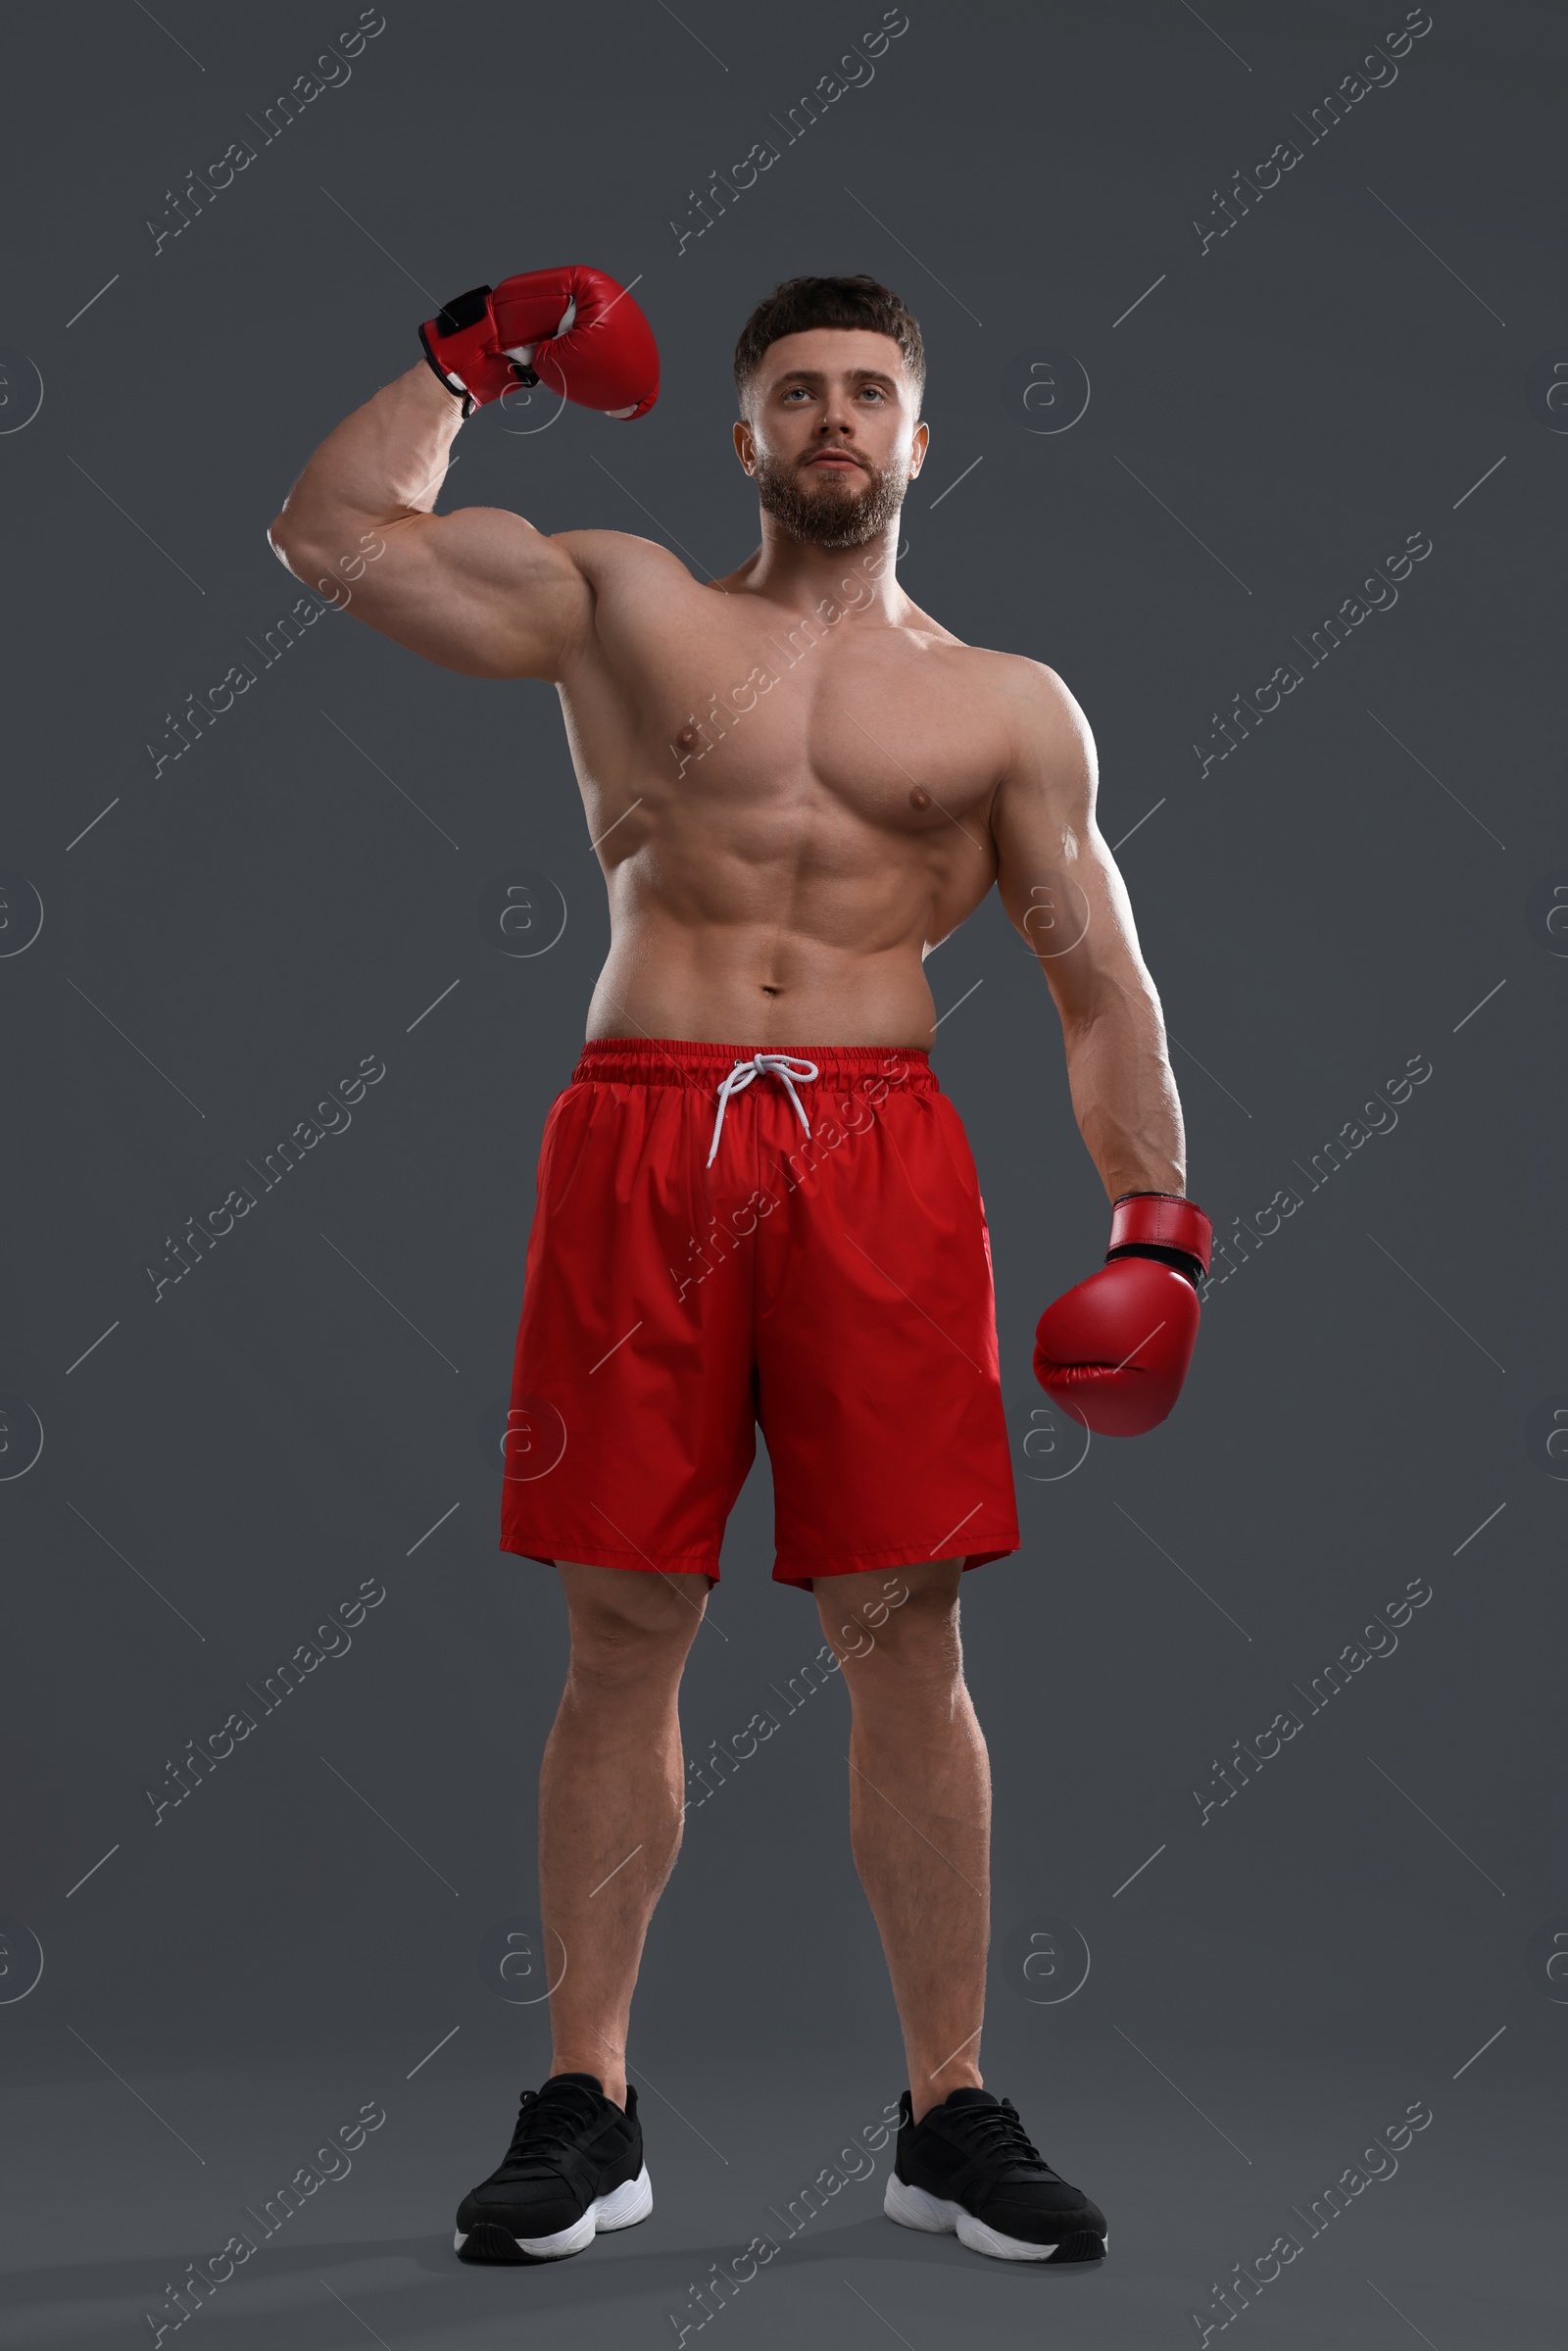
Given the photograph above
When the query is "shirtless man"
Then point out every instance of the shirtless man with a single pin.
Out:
(755, 1203)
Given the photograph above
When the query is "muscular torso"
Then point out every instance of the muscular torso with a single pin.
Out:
(779, 856)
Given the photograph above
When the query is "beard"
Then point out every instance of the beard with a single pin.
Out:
(834, 511)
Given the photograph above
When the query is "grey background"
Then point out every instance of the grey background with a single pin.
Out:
(320, 1400)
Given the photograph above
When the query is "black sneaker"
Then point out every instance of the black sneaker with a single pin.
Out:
(969, 2166)
(574, 2166)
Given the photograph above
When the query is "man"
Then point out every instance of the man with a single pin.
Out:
(754, 1203)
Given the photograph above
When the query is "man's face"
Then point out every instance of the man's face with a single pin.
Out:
(830, 436)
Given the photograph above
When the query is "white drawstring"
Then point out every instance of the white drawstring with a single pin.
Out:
(779, 1065)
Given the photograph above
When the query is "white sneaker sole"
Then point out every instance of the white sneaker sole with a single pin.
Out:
(622, 2208)
(913, 2208)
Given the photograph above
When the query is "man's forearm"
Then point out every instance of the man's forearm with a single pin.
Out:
(385, 462)
(1124, 1097)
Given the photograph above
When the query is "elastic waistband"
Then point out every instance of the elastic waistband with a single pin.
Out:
(679, 1061)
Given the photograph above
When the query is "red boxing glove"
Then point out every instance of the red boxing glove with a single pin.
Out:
(574, 329)
(1113, 1353)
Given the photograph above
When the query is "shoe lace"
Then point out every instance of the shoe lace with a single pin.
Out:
(997, 2130)
(548, 2122)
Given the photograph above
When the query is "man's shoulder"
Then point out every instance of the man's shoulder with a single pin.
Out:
(1032, 689)
(1018, 673)
(605, 556)
(1046, 745)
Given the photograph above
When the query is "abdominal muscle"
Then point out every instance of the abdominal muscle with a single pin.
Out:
(765, 988)
(764, 903)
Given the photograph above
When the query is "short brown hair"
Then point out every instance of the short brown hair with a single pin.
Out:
(802, 302)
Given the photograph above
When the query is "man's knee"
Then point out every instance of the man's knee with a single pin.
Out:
(627, 1624)
(903, 1627)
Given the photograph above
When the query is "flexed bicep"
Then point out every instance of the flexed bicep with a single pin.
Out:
(480, 591)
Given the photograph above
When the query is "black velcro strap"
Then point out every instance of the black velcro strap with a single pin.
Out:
(1177, 1259)
(463, 310)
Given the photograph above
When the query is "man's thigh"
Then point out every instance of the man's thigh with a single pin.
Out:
(631, 1428)
(876, 1343)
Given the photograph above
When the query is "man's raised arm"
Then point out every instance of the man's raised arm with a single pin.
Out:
(1112, 1351)
(480, 590)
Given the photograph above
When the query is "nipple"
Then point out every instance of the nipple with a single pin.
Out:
(687, 736)
(920, 797)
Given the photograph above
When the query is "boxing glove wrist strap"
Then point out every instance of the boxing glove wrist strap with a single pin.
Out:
(1166, 1226)
(461, 344)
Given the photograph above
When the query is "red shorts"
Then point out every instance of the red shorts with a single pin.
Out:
(833, 1288)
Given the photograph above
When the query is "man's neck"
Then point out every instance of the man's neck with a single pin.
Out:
(799, 574)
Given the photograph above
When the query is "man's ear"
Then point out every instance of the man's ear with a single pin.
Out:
(745, 445)
(920, 442)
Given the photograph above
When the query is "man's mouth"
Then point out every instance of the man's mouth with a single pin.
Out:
(834, 460)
